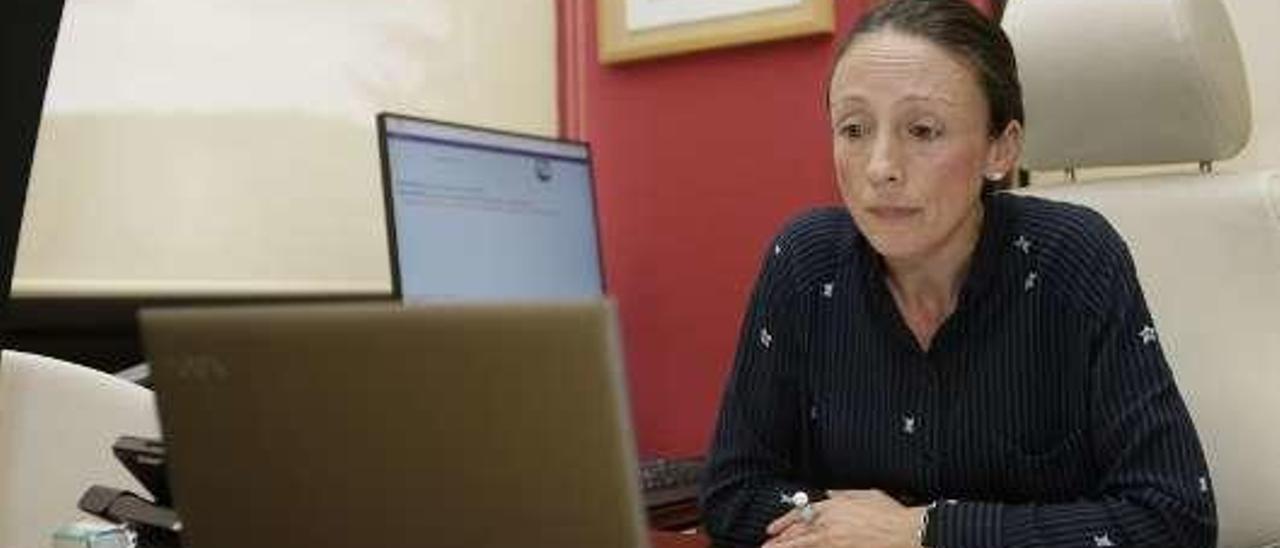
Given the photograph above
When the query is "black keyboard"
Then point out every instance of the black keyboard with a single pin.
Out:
(670, 481)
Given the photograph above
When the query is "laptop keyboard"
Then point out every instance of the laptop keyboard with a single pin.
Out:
(670, 481)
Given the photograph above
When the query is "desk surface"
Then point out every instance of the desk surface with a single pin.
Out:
(668, 539)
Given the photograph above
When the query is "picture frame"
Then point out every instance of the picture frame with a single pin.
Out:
(631, 30)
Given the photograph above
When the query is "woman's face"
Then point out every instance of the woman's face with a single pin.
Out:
(911, 142)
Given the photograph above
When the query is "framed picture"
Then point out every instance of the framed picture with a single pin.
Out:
(640, 29)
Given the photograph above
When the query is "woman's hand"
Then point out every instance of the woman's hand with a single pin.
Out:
(849, 519)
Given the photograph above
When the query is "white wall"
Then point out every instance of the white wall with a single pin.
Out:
(228, 146)
(1256, 23)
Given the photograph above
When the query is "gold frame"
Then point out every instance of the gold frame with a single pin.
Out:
(619, 44)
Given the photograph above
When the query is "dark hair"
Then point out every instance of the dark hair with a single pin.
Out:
(959, 28)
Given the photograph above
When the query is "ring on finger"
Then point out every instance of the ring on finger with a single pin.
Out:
(808, 513)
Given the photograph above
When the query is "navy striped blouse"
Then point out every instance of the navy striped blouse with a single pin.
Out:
(1043, 413)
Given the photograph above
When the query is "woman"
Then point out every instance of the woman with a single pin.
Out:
(937, 363)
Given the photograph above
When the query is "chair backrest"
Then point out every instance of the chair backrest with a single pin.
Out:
(58, 421)
(1139, 82)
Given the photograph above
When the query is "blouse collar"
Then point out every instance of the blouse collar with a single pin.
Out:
(984, 263)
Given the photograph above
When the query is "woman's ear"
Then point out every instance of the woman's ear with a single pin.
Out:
(1006, 149)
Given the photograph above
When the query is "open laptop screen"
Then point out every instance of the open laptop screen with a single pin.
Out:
(477, 214)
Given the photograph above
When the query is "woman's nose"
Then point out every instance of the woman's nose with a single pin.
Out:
(883, 166)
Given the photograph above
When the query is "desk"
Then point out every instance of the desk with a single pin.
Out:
(678, 516)
(668, 539)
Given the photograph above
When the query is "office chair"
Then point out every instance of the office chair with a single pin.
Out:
(1110, 83)
(57, 423)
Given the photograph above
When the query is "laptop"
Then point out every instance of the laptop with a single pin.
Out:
(381, 425)
(481, 214)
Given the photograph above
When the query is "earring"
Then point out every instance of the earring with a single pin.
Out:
(995, 176)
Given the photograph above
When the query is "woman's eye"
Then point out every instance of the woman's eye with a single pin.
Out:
(853, 131)
(924, 132)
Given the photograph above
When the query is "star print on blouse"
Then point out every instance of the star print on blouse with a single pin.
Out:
(1148, 334)
(1023, 244)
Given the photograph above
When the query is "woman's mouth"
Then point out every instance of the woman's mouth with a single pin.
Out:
(893, 213)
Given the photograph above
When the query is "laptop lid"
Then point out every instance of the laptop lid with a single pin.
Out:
(382, 425)
(480, 214)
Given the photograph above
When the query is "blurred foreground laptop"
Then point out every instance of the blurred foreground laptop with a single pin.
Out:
(387, 425)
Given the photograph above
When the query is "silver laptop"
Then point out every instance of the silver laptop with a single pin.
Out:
(387, 425)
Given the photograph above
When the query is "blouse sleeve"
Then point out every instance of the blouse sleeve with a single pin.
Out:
(758, 438)
(1154, 489)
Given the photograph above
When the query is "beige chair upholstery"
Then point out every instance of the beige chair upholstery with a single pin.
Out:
(1130, 82)
(1137, 82)
(57, 423)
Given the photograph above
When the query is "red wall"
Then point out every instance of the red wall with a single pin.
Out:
(698, 160)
